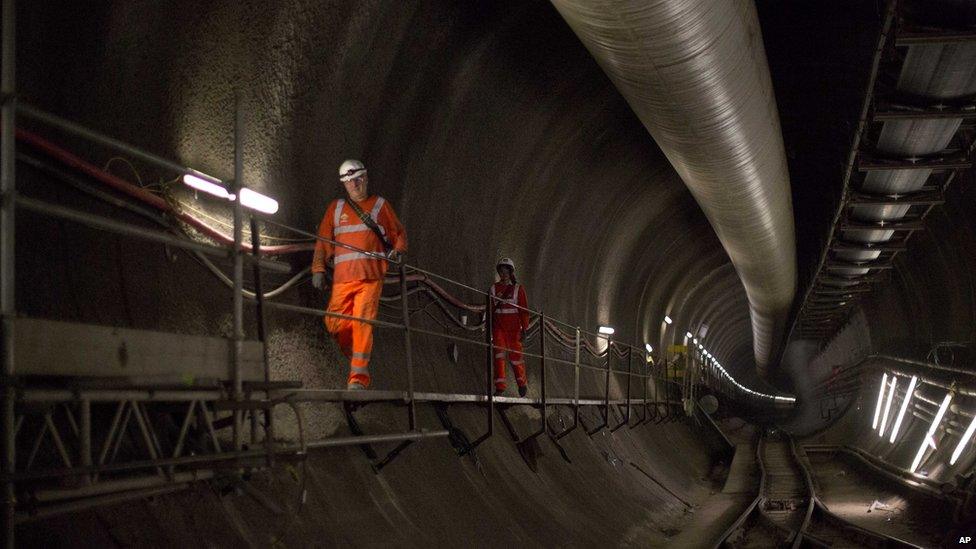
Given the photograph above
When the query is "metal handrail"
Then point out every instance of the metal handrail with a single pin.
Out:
(84, 132)
(544, 326)
(550, 325)
(415, 269)
(617, 347)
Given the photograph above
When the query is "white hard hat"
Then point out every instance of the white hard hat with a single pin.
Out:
(505, 261)
(351, 169)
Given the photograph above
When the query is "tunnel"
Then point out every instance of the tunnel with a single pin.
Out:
(744, 230)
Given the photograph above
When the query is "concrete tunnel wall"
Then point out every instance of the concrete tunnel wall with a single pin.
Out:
(493, 133)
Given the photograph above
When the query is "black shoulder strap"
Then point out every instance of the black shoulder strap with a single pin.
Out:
(369, 222)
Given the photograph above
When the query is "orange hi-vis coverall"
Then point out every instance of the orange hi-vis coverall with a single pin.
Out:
(358, 278)
(507, 325)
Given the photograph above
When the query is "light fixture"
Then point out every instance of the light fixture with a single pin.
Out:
(208, 187)
(929, 440)
(257, 201)
(687, 335)
(249, 197)
(694, 340)
(667, 319)
(891, 397)
(904, 408)
(877, 409)
(605, 330)
(962, 442)
(649, 348)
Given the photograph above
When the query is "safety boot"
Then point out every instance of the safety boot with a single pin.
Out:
(355, 386)
(523, 389)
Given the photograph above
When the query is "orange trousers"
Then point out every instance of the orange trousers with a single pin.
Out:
(508, 339)
(360, 298)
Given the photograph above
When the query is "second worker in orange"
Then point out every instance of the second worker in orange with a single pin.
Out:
(509, 320)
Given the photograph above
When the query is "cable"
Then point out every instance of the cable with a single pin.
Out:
(143, 195)
(246, 231)
(230, 283)
(127, 163)
(165, 202)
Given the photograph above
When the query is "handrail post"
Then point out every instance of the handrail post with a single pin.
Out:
(606, 393)
(542, 360)
(666, 398)
(649, 378)
(630, 352)
(658, 397)
(489, 361)
(262, 337)
(237, 336)
(407, 346)
(670, 369)
(8, 305)
(576, 381)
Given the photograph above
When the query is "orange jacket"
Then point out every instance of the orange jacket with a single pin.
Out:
(504, 316)
(341, 224)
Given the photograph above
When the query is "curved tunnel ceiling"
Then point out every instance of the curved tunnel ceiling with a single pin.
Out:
(493, 131)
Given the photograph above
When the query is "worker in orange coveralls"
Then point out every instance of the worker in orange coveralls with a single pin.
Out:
(508, 324)
(367, 223)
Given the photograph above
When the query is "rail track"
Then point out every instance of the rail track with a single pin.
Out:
(786, 511)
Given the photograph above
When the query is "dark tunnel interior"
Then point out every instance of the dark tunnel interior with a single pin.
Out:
(771, 203)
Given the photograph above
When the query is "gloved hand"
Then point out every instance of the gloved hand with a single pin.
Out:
(395, 255)
(318, 280)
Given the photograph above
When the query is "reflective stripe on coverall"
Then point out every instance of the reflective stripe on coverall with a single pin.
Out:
(357, 278)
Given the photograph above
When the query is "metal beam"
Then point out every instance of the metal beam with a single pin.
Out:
(119, 227)
(808, 314)
(885, 112)
(830, 290)
(237, 299)
(831, 298)
(868, 163)
(831, 302)
(826, 307)
(818, 320)
(108, 352)
(909, 225)
(914, 199)
(838, 264)
(919, 37)
(855, 282)
(867, 247)
(371, 439)
(817, 307)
